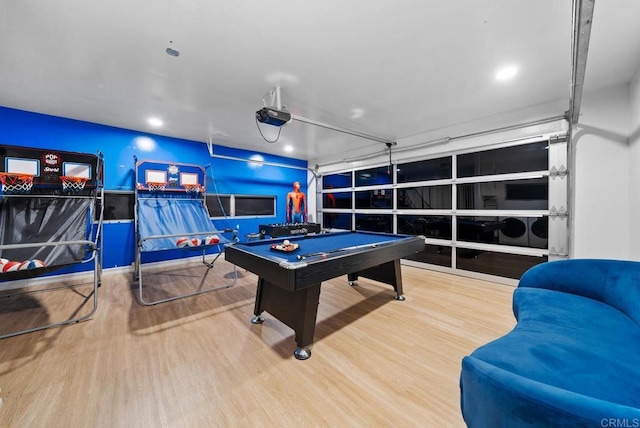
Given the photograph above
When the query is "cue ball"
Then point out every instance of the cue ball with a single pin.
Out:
(286, 242)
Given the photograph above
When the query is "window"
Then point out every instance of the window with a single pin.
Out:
(432, 169)
(374, 199)
(434, 255)
(374, 222)
(499, 264)
(117, 206)
(529, 194)
(471, 217)
(219, 205)
(437, 227)
(336, 221)
(524, 158)
(374, 176)
(527, 191)
(336, 181)
(255, 205)
(424, 198)
(479, 229)
(338, 200)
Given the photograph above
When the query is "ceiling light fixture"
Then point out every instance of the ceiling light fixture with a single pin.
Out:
(288, 149)
(506, 72)
(155, 122)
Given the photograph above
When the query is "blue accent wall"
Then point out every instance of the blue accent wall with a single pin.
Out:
(226, 176)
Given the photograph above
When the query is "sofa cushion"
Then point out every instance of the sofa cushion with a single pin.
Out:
(573, 343)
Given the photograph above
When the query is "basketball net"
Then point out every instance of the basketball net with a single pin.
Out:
(15, 183)
(72, 184)
(156, 187)
(193, 188)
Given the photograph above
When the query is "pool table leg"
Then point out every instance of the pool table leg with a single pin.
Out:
(296, 309)
(388, 273)
(257, 320)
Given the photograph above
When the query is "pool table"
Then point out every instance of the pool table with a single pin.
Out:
(289, 281)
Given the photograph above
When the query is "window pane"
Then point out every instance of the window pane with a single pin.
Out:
(499, 264)
(422, 198)
(336, 221)
(376, 199)
(479, 229)
(374, 176)
(374, 223)
(255, 205)
(337, 200)
(528, 157)
(433, 254)
(438, 227)
(117, 206)
(336, 181)
(219, 205)
(531, 194)
(433, 169)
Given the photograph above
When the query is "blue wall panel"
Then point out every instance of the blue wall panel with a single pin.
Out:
(227, 176)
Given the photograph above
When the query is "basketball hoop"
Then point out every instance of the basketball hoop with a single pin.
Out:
(156, 187)
(15, 183)
(72, 184)
(193, 188)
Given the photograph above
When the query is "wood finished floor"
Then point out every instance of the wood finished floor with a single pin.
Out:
(199, 362)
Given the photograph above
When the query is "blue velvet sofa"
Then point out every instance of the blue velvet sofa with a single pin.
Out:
(572, 360)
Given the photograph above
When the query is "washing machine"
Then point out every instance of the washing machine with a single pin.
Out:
(530, 232)
(514, 232)
(538, 232)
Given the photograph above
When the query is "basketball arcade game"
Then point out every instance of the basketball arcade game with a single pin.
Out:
(171, 213)
(48, 199)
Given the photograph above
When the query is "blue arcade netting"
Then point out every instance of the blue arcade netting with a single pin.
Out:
(171, 216)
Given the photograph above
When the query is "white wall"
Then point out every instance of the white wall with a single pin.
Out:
(602, 204)
(634, 168)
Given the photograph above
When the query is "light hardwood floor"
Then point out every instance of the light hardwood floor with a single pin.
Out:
(199, 362)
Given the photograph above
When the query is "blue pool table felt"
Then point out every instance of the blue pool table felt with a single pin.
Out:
(312, 244)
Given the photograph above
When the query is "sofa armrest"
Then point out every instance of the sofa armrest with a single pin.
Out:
(614, 282)
(585, 277)
(494, 397)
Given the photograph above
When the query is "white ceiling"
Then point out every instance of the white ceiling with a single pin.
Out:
(391, 69)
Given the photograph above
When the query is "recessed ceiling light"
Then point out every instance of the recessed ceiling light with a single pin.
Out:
(288, 149)
(506, 72)
(357, 113)
(154, 121)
